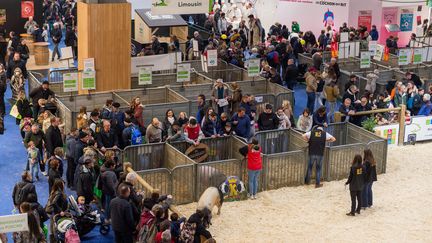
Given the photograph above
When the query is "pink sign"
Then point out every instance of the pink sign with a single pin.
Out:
(389, 16)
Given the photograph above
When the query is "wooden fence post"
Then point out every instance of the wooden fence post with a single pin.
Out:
(402, 125)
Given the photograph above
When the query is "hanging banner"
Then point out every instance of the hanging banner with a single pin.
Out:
(88, 80)
(14, 223)
(406, 20)
(418, 56)
(254, 67)
(365, 59)
(145, 76)
(379, 53)
(388, 132)
(160, 7)
(343, 51)
(365, 19)
(404, 57)
(27, 9)
(372, 47)
(70, 82)
(183, 72)
(418, 129)
(212, 58)
(389, 15)
(204, 63)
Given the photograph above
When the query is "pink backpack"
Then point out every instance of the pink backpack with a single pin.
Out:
(72, 236)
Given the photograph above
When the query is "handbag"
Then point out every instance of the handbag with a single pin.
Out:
(14, 112)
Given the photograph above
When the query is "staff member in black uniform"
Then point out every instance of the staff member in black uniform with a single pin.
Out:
(317, 139)
(356, 183)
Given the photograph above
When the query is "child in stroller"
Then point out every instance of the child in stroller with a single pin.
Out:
(85, 217)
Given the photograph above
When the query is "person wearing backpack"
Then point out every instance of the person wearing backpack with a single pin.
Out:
(22, 189)
(122, 220)
(193, 230)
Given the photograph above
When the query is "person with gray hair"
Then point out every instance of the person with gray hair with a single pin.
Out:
(56, 35)
(426, 108)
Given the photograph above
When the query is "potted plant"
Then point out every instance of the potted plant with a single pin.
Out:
(369, 124)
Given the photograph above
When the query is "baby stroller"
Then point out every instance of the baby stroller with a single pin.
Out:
(86, 219)
(65, 228)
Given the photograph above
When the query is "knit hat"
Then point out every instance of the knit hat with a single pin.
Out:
(82, 135)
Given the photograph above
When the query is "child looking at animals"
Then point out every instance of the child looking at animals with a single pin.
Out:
(33, 160)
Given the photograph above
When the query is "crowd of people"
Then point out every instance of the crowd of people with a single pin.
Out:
(89, 151)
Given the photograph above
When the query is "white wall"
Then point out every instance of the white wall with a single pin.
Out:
(266, 11)
(359, 5)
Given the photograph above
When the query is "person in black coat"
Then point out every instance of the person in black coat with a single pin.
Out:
(53, 173)
(79, 146)
(56, 35)
(364, 105)
(122, 219)
(26, 185)
(107, 137)
(16, 62)
(37, 34)
(71, 39)
(356, 184)
(200, 230)
(23, 50)
(371, 175)
(86, 180)
(268, 120)
(291, 74)
(42, 92)
(212, 127)
(53, 137)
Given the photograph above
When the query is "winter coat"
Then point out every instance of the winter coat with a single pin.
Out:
(121, 215)
(53, 139)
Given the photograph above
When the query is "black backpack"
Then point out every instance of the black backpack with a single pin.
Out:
(20, 195)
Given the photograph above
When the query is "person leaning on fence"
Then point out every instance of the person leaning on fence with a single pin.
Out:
(254, 164)
(193, 133)
(356, 184)
(317, 139)
(242, 124)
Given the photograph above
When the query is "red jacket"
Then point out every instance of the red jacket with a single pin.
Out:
(254, 159)
(193, 132)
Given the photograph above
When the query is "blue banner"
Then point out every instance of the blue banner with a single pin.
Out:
(406, 22)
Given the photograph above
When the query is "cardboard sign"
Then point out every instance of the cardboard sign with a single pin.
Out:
(70, 82)
(66, 52)
(212, 58)
(372, 47)
(88, 80)
(183, 72)
(379, 53)
(145, 76)
(365, 59)
(14, 223)
(418, 56)
(89, 64)
(344, 37)
(254, 67)
(404, 57)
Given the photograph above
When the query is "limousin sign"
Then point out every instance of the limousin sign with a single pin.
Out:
(160, 7)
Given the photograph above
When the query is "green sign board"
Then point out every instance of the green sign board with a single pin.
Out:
(254, 67)
(145, 76)
(88, 80)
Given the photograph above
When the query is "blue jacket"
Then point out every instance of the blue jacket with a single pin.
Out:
(243, 126)
(211, 128)
(426, 109)
(374, 35)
